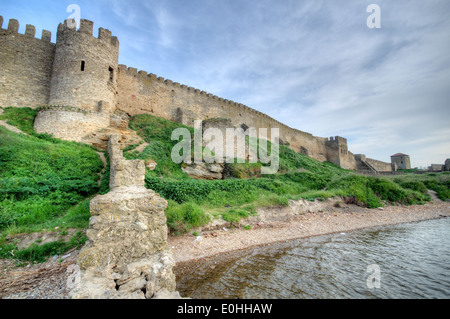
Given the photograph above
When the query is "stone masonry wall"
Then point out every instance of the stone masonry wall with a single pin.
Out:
(26, 66)
(84, 126)
(85, 68)
(69, 123)
(362, 161)
(81, 70)
(379, 165)
(338, 153)
(140, 92)
(127, 255)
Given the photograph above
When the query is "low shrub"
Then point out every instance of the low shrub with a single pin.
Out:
(39, 253)
(181, 218)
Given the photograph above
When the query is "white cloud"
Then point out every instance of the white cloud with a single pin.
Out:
(311, 64)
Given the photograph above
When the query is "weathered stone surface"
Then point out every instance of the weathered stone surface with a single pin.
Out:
(26, 68)
(164, 294)
(204, 171)
(151, 164)
(127, 255)
(93, 286)
(69, 123)
(124, 173)
(79, 125)
(84, 69)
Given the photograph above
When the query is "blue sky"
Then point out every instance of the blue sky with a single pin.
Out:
(312, 64)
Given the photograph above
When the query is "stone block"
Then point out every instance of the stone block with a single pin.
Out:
(127, 255)
(13, 25)
(30, 31)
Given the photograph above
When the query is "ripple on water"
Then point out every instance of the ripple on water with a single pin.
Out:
(414, 261)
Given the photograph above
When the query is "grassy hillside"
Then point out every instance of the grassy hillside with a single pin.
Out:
(299, 177)
(46, 184)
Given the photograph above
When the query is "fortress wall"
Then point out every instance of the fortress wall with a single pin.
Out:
(141, 92)
(81, 72)
(379, 165)
(70, 124)
(348, 161)
(26, 66)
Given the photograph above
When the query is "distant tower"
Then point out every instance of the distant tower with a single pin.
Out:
(85, 68)
(401, 161)
(337, 152)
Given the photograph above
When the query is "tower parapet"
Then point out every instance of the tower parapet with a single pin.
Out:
(85, 67)
(13, 25)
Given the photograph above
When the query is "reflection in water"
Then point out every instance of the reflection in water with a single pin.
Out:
(414, 260)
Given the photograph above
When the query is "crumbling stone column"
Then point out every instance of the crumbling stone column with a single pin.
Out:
(127, 255)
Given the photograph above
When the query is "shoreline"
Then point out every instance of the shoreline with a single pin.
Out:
(350, 219)
(272, 226)
(324, 219)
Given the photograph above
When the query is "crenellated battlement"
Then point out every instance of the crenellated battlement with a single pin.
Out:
(26, 65)
(85, 67)
(144, 74)
(238, 108)
(82, 68)
(87, 27)
(337, 139)
(30, 30)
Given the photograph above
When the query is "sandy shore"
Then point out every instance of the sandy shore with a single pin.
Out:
(295, 222)
(298, 220)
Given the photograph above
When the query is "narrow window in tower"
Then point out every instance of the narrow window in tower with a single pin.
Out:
(111, 74)
(83, 64)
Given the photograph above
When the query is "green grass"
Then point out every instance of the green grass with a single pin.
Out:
(40, 180)
(372, 191)
(44, 183)
(39, 253)
(236, 214)
(299, 177)
(182, 217)
(157, 133)
(438, 182)
(47, 183)
(22, 118)
(243, 170)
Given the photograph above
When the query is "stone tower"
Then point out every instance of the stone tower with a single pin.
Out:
(84, 68)
(401, 161)
(83, 88)
(337, 152)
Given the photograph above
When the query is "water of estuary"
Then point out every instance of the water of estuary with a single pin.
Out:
(399, 261)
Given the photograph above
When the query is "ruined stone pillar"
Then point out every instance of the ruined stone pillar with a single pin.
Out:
(127, 255)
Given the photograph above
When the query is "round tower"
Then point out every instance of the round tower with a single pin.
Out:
(85, 68)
